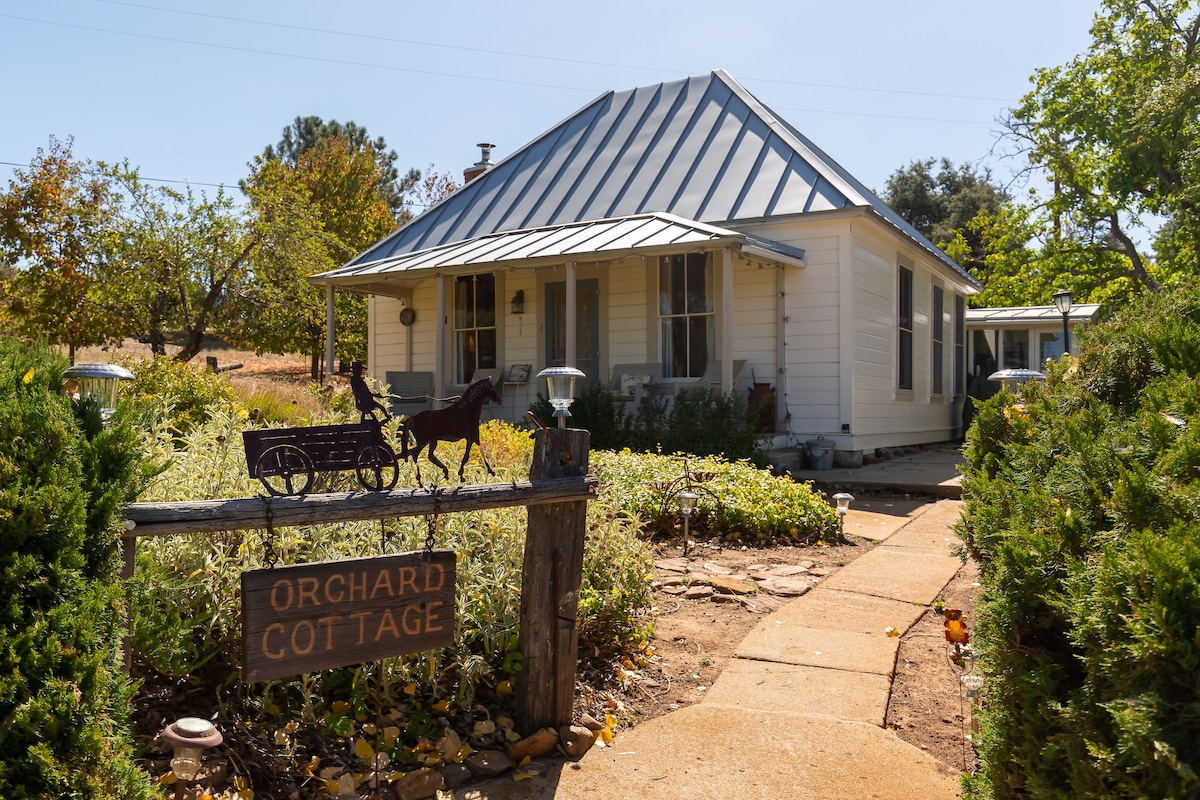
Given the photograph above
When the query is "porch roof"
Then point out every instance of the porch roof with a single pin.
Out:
(1017, 316)
(637, 235)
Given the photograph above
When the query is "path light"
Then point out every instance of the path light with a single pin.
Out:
(189, 737)
(687, 504)
(98, 381)
(560, 381)
(1011, 379)
(842, 500)
(1062, 301)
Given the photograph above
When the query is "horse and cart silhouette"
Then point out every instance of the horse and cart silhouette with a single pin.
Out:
(287, 460)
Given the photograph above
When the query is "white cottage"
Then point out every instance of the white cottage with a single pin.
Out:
(687, 234)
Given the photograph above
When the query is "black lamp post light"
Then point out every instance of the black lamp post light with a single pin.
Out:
(1062, 301)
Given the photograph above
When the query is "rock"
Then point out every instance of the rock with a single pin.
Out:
(538, 744)
(590, 722)
(575, 740)
(806, 564)
(716, 569)
(455, 775)
(733, 585)
(718, 597)
(785, 587)
(698, 592)
(674, 589)
(673, 564)
(787, 570)
(674, 580)
(489, 763)
(820, 572)
(419, 784)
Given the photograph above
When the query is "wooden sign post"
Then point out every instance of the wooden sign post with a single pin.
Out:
(553, 573)
(316, 616)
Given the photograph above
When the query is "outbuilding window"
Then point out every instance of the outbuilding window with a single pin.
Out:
(474, 325)
(687, 309)
(937, 335)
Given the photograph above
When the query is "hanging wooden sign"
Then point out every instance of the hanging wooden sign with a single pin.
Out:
(308, 617)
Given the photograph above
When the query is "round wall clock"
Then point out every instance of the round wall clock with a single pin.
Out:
(408, 316)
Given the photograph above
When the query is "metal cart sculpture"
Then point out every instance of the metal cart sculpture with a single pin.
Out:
(286, 460)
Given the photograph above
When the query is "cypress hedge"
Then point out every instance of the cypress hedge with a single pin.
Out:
(1082, 506)
(64, 481)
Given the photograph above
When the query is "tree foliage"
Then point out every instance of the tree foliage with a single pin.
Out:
(1118, 129)
(56, 224)
(942, 204)
(306, 133)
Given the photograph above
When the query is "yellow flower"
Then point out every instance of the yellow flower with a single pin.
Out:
(28, 377)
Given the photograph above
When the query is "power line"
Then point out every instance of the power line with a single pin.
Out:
(535, 56)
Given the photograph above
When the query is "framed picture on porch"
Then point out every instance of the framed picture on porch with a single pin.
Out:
(519, 373)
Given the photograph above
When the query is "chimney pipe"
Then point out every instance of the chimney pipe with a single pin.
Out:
(482, 165)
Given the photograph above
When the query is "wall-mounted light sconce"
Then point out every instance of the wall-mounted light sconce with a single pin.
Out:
(518, 302)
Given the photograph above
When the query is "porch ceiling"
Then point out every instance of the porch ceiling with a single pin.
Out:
(637, 235)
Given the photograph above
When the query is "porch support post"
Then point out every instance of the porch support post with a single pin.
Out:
(781, 362)
(726, 256)
(330, 332)
(571, 310)
(439, 346)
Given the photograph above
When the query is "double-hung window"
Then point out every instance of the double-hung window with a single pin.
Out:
(687, 309)
(474, 325)
(960, 344)
(937, 336)
(904, 329)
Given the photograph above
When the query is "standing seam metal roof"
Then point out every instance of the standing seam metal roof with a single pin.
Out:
(701, 148)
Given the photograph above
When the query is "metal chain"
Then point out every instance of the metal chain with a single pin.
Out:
(431, 524)
(270, 557)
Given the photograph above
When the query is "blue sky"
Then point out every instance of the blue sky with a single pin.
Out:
(192, 91)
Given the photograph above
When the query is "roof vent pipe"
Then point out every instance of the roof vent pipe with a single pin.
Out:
(482, 165)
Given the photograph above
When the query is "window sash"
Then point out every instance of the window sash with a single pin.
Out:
(937, 335)
(687, 310)
(904, 325)
(475, 337)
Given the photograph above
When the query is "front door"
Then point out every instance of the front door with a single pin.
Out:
(587, 326)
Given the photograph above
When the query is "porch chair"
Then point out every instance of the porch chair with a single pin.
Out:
(631, 383)
(711, 379)
(411, 392)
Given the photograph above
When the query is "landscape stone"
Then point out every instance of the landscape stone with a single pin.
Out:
(575, 740)
(716, 569)
(698, 592)
(590, 722)
(787, 570)
(419, 784)
(455, 775)
(718, 597)
(489, 763)
(733, 585)
(674, 589)
(534, 745)
(673, 564)
(785, 587)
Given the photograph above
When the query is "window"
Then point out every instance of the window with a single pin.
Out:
(937, 335)
(474, 325)
(960, 344)
(1050, 345)
(688, 313)
(904, 326)
(1014, 350)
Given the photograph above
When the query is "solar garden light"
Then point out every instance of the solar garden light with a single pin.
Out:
(189, 737)
(560, 381)
(100, 381)
(687, 504)
(842, 500)
(1062, 301)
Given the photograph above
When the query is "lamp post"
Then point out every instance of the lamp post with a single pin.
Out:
(189, 737)
(95, 380)
(842, 500)
(560, 382)
(687, 503)
(1062, 301)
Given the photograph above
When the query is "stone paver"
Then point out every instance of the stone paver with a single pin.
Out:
(898, 573)
(788, 688)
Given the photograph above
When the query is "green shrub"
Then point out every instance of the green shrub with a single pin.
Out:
(181, 395)
(737, 501)
(64, 480)
(702, 422)
(1082, 503)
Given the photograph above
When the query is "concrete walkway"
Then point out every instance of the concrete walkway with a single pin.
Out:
(799, 710)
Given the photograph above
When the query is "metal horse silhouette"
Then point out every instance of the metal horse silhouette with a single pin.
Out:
(459, 421)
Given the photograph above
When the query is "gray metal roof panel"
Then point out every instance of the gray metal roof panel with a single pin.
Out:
(701, 148)
(1082, 312)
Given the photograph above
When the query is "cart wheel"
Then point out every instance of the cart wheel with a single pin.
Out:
(285, 469)
(377, 468)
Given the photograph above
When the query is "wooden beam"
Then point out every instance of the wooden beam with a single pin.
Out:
(208, 516)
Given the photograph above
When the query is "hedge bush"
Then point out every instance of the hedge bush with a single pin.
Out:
(1082, 505)
(64, 480)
